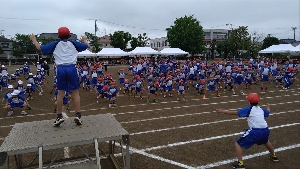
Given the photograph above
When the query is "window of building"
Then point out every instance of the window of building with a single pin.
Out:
(166, 43)
(158, 44)
(154, 44)
(151, 45)
(162, 44)
(4, 45)
(105, 44)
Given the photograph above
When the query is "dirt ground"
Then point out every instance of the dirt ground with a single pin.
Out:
(173, 134)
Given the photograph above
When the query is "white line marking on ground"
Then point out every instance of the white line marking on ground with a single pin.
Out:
(159, 158)
(194, 125)
(210, 138)
(217, 164)
(66, 149)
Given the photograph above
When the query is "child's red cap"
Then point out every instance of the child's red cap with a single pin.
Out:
(63, 31)
(253, 98)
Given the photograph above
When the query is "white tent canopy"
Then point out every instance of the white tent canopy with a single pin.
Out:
(86, 53)
(295, 49)
(112, 52)
(144, 51)
(281, 48)
(173, 51)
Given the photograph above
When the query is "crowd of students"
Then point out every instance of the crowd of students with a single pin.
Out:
(147, 78)
(18, 96)
(168, 77)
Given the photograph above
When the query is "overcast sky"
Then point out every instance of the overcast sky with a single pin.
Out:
(276, 17)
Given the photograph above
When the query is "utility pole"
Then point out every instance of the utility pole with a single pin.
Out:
(294, 29)
(96, 28)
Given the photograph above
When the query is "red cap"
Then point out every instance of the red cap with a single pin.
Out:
(253, 98)
(63, 31)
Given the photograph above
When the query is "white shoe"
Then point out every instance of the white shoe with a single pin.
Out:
(40, 93)
(109, 105)
(23, 113)
(10, 113)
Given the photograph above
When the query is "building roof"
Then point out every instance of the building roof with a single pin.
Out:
(288, 41)
(104, 39)
(3, 39)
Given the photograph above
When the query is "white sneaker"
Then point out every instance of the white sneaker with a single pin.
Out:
(10, 113)
(109, 105)
(40, 93)
(23, 113)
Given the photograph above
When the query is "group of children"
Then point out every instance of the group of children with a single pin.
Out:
(169, 76)
(18, 96)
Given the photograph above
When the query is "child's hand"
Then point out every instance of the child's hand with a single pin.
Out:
(268, 106)
(219, 110)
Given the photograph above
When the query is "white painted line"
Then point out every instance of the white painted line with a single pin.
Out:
(195, 125)
(66, 149)
(160, 158)
(220, 163)
(210, 138)
(167, 117)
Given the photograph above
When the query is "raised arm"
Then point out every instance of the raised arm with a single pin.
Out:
(227, 112)
(35, 42)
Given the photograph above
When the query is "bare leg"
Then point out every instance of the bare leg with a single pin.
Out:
(60, 96)
(270, 147)
(238, 151)
(76, 98)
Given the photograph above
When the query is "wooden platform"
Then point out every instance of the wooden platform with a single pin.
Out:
(42, 135)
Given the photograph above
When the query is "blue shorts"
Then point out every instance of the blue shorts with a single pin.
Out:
(13, 105)
(264, 78)
(211, 88)
(238, 82)
(65, 101)
(253, 136)
(122, 80)
(168, 88)
(138, 89)
(152, 91)
(180, 91)
(67, 77)
(113, 96)
(249, 81)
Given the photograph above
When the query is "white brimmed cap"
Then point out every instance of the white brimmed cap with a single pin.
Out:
(15, 92)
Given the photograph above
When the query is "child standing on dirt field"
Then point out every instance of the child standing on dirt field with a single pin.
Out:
(65, 54)
(258, 132)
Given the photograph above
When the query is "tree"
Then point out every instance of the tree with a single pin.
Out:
(269, 41)
(22, 45)
(120, 39)
(140, 41)
(43, 40)
(187, 34)
(238, 40)
(1, 50)
(255, 43)
(223, 48)
(94, 42)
